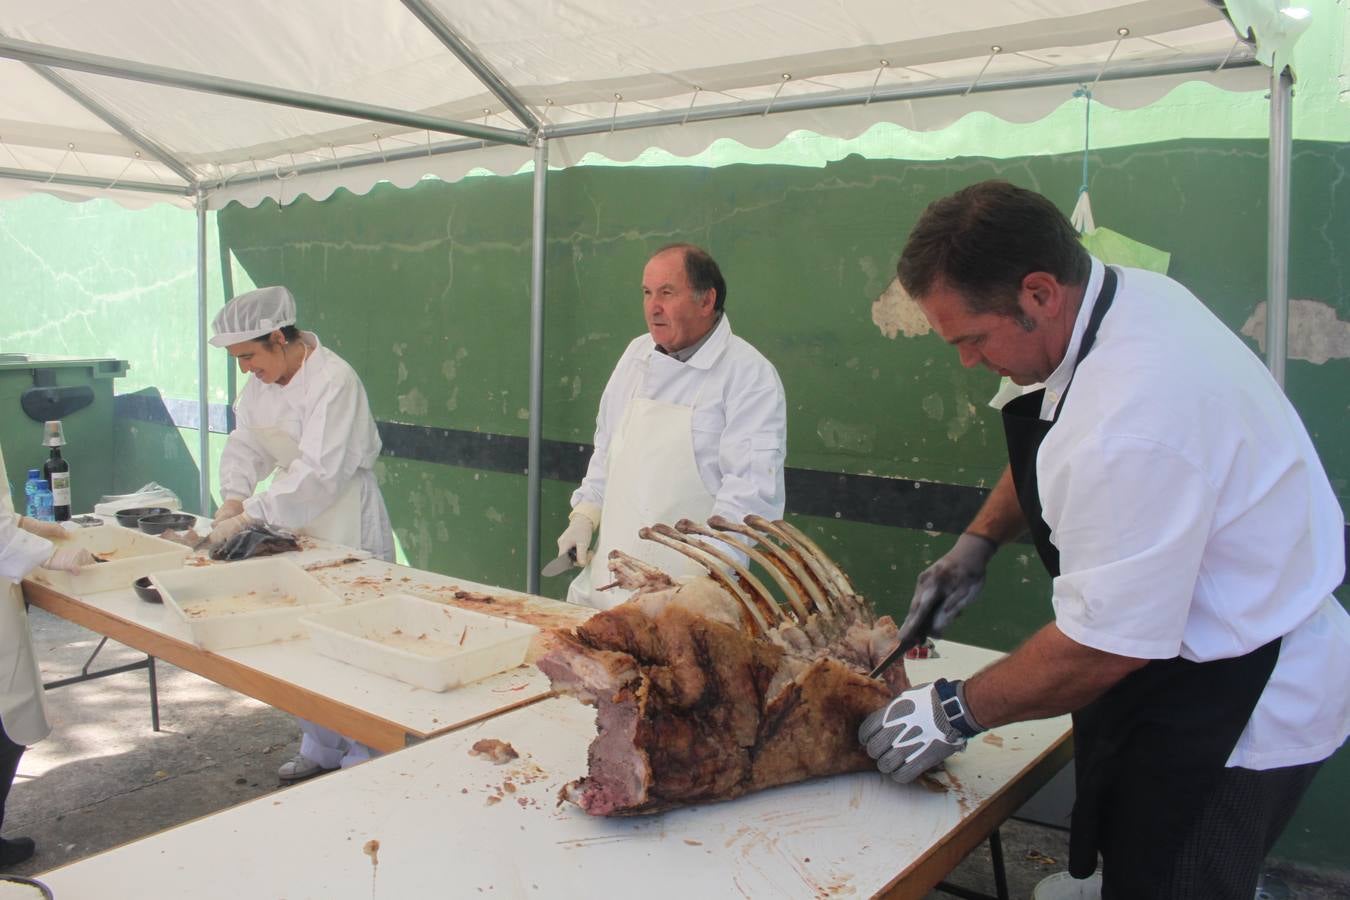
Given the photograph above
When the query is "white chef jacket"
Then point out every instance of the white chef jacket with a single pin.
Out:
(1192, 514)
(22, 702)
(324, 409)
(739, 421)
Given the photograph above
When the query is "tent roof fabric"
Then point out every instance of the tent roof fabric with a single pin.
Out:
(607, 76)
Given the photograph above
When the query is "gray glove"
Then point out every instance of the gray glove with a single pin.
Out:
(952, 583)
(914, 732)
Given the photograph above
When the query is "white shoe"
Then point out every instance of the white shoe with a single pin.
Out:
(299, 768)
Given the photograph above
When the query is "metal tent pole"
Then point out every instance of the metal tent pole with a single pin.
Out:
(203, 405)
(1277, 246)
(537, 253)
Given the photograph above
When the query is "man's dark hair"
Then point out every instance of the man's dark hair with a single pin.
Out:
(983, 240)
(702, 271)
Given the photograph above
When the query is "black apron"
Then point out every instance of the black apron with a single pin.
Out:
(1149, 750)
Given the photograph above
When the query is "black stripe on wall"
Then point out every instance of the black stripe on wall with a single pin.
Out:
(870, 499)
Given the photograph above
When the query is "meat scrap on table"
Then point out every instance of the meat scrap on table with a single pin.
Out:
(497, 751)
(707, 688)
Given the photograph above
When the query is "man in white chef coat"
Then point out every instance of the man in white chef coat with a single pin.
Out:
(1193, 537)
(25, 544)
(693, 423)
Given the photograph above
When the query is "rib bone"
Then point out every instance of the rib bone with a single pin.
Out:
(755, 588)
(782, 561)
(714, 570)
(832, 569)
(791, 591)
(832, 603)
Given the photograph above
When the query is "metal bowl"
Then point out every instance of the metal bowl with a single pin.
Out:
(146, 591)
(161, 522)
(129, 518)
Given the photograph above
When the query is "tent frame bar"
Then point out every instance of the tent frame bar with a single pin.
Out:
(928, 89)
(62, 58)
(436, 24)
(144, 187)
(1277, 229)
(115, 122)
(538, 258)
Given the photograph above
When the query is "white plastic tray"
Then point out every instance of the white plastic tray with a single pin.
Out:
(420, 642)
(241, 604)
(130, 554)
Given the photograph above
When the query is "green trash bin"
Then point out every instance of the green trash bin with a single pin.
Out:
(79, 392)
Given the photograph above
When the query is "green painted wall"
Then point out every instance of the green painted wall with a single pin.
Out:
(426, 293)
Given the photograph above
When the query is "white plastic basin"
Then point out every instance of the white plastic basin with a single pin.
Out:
(420, 642)
(240, 604)
(129, 555)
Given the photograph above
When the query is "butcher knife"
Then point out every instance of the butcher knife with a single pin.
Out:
(915, 635)
(564, 562)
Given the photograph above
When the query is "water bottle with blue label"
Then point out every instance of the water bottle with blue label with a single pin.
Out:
(38, 497)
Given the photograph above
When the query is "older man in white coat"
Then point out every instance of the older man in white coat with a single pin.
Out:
(693, 423)
(25, 544)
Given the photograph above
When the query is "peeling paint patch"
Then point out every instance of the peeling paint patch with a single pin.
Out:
(932, 406)
(847, 437)
(495, 516)
(449, 369)
(960, 423)
(1316, 333)
(452, 402)
(576, 386)
(402, 372)
(895, 313)
(522, 413)
(413, 403)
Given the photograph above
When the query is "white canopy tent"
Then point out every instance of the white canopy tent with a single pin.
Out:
(206, 103)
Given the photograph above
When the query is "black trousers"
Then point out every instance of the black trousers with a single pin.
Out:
(1238, 823)
(9, 765)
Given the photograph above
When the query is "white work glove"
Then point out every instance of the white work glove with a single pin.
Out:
(229, 528)
(918, 729)
(52, 531)
(581, 525)
(228, 510)
(950, 584)
(69, 559)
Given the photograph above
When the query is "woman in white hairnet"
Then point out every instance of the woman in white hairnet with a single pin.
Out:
(25, 544)
(303, 414)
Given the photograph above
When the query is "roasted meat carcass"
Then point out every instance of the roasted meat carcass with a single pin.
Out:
(707, 688)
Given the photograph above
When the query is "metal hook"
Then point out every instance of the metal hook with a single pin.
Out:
(614, 114)
(379, 146)
(875, 81)
(336, 161)
(1123, 34)
(1229, 55)
(995, 50)
(690, 108)
(786, 77)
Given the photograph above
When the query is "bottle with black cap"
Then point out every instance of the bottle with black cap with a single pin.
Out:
(56, 470)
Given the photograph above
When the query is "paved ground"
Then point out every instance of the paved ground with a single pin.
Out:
(103, 778)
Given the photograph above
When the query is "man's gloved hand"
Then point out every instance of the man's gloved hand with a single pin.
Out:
(52, 531)
(918, 729)
(69, 559)
(581, 525)
(952, 583)
(228, 510)
(229, 528)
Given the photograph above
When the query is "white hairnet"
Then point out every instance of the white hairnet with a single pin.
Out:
(253, 315)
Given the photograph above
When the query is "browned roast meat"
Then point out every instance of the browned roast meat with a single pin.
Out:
(698, 701)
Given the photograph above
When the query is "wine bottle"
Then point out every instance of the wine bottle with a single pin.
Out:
(57, 471)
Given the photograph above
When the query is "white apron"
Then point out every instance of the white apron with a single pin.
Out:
(23, 705)
(340, 523)
(652, 478)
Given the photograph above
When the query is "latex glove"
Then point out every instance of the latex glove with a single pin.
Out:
(228, 510)
(952, 583)
(52, 531)
(229, 528)
(918, 729)
(70, 559)
(581, 525)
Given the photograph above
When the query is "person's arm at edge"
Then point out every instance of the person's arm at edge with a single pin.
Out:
(1000, 518)
(1049, 675)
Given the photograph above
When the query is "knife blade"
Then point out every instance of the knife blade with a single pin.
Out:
(561, 564)
(915, 635)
